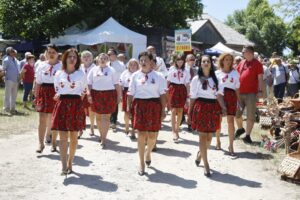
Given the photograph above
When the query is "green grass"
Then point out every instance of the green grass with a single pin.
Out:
(25, 121)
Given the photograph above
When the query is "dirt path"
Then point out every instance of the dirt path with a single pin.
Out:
(112, 173)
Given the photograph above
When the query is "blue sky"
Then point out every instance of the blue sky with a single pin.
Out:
(220, 9)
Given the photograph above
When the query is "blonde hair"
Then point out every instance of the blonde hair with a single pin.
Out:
(221, 59)
(132, 60)
(86, 53)
(103, 54)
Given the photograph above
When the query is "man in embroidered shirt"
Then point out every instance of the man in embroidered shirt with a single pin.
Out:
(251, 78)
(11, 68)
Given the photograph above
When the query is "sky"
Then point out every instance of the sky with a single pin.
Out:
(220, 9)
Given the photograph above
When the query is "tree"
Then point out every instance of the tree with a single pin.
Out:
(43, 18)
(259, 24)
(291, 11)
(293, 36)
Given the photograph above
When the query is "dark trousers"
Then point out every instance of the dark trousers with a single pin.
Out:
(279, 91)
(114, 116)
(27, 89)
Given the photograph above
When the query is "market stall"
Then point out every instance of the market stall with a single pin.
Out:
(107, 33)
(283, 121)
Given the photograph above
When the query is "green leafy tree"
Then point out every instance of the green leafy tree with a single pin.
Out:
(43, 18)
(293, 36)
(260, 25)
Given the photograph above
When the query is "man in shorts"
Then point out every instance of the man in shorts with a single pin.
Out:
(251, 80)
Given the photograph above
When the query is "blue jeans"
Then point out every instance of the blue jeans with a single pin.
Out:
(27, 90)
(279, 91)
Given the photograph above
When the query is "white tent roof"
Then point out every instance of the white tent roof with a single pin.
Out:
(220, 47)
(109, 31)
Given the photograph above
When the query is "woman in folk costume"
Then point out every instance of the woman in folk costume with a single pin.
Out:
(132, 66)
(105, 94)
(86, 66)
(44, 92)
(178, 81)
(204, 110)
(68, 116)
(229, 84)
(147, 100)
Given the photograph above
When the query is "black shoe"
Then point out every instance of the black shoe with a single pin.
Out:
(239, 132)
(154, 149)
(148, 163)
(132, 137)
(141, 173)
(190, 128)
(53, 149)
(198, 159)
(247, 139)
(207, 173)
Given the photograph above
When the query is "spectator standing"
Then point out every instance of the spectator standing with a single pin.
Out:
(24, 61)
(11, 68)
(251, 78)
(280, 78)
(27, 76)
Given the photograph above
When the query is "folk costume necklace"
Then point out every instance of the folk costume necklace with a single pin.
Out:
(146, 77)
(179, 73)
(224, 79)
(50, 69)
(205, 83)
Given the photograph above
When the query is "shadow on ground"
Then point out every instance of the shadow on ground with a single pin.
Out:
(170, 179)
(78, 160)
(90, 181)
(232, 179)
(173, 152)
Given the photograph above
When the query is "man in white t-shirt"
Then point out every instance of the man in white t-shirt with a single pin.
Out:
(119, 67)
(159, 61)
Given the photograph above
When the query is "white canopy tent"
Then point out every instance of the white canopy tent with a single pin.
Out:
(108, 32)
(220, 47)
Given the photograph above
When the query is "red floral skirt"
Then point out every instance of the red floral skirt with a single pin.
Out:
(206, 115)
(68, 114)
(44, 101)
(85, 102)
(124, 99)
(146, 114)
(104, 102)
(177, 95)
(230, 100)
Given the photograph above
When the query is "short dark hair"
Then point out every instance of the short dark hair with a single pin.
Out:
(249, 47)
(52, 46)
(113, 50)
(65, 56)
(145, 53)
